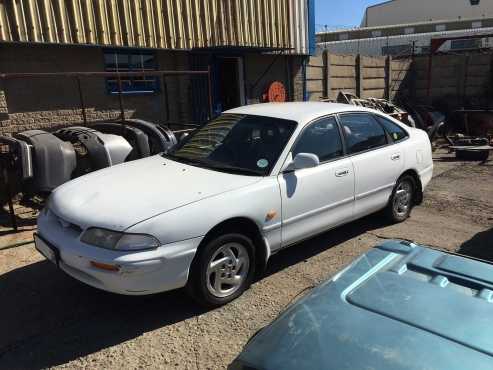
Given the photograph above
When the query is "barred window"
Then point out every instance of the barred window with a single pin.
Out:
(131, 61)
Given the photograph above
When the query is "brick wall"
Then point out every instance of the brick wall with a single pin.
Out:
(298, 79)
(51, 103)
(4, 113)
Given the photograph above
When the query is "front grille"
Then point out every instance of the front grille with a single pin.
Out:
(66, 224)
(76, 228)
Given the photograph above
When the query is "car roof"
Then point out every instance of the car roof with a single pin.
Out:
(399, 306)
(301, 112)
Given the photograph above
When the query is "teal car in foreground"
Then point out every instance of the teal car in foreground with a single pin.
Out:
(399, 306)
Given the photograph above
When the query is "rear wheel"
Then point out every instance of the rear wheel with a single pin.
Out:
(402, 199)
(223, 270)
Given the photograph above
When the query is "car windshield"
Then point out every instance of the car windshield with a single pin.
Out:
(236, 143)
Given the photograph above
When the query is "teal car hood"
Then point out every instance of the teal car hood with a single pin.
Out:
(399, 306)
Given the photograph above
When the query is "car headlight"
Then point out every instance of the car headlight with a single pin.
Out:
(119, 241)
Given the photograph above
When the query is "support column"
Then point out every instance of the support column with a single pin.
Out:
(359, 76)
(327, 76)
(388, 77)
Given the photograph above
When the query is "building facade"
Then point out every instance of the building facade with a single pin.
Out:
(418, 11)
(402, 28)
(246, 45)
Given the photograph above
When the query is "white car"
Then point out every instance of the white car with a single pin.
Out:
(209, 213)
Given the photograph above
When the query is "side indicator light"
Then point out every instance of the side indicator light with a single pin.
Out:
(105, 266)
(270, 215)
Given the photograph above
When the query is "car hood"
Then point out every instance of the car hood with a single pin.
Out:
(400, 306)
(121, 196)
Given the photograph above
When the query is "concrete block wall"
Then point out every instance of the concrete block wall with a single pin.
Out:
(374, 77)
(462, 78)
(342, 74)
(315, 78)
(401, 83)
(377, 77)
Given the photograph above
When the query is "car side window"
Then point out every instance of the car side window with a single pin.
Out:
(362, 132)
(321, 138)
(394, 131)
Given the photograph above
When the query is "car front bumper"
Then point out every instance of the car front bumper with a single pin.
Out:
(138, 272)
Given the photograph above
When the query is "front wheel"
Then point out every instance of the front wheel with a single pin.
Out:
(401, 201)
(222, 271)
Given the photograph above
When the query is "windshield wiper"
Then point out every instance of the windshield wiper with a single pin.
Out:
(182, 159)
(214, 165)
(232, 169)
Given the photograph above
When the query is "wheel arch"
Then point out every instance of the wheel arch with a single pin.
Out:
(245, 226)
(418, 191)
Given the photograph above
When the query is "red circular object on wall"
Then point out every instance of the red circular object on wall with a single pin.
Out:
(276, 92)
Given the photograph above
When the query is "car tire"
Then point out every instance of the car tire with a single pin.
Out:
(402, 199)
(222, 270)
(472, 155)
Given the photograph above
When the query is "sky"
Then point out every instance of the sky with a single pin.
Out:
(340, 13)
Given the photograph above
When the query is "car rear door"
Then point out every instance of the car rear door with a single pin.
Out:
(377, 162)
(315, 199)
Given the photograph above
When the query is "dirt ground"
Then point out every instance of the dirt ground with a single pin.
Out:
(48, 319)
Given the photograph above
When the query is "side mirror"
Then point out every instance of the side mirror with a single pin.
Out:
(302, 160)
(305, 160)
(183, 136)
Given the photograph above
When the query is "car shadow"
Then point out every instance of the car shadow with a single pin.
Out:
(479, 246)
(313, 246)
(49, 319)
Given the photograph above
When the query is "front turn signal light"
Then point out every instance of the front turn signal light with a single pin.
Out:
(105, 266)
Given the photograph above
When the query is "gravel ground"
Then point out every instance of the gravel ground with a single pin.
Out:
(48, 319)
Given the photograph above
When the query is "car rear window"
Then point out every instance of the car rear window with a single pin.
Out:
(394, 131)
(362, 132)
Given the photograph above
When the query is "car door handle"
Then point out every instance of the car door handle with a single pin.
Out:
(343, 172)
(395, 157)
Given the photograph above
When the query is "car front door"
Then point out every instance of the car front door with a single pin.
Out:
(318, 198)
(377, 164)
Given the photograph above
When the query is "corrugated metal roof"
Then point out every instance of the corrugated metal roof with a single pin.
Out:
(169, 24)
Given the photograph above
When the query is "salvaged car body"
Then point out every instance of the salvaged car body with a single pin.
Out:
(399, 306)
(210, 212)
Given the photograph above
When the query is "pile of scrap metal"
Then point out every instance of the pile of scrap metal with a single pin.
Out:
(426, 118)
(40, 161)
(423, 117)
(379, 104)
(469, 133)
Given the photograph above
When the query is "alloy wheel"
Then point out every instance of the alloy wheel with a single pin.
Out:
(403, 198)
(227, 269)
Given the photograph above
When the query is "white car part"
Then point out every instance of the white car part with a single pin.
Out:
(54, 160)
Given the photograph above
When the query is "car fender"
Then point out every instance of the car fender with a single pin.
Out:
(260, 203)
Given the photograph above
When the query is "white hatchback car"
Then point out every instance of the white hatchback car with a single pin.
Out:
(209, 213)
